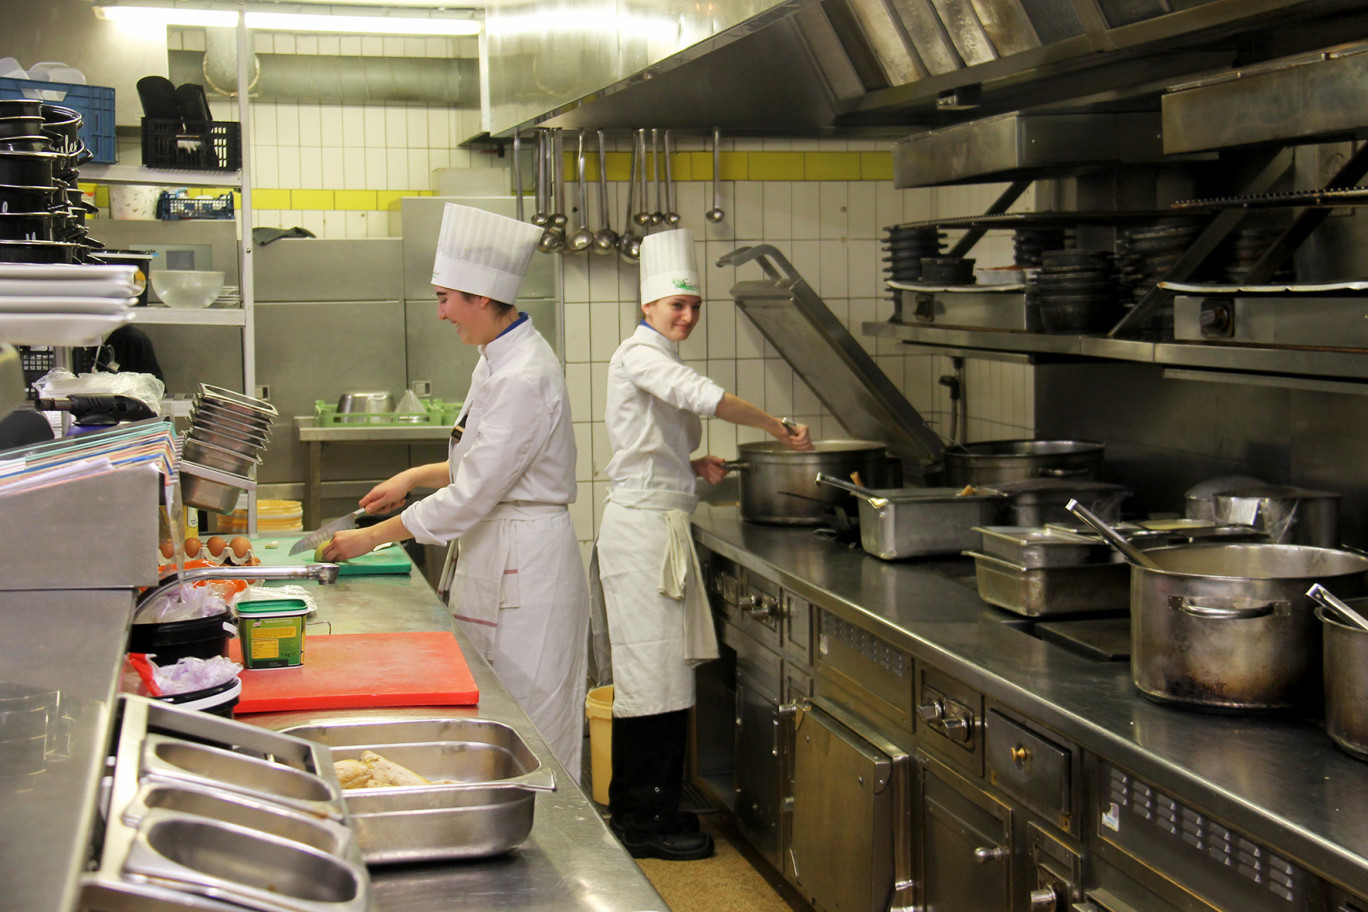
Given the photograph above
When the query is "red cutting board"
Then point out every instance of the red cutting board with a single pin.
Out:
(362, 671)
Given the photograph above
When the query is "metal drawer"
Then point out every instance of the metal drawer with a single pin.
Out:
(1030, 767)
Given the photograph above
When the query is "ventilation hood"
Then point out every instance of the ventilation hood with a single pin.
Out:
(890, 67)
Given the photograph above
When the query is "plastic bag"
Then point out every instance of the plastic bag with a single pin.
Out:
(60, 382)
(279, 592)
(190, 674)
(194, 602)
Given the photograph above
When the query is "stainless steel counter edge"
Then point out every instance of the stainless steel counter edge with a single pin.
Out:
(570, 860)
(1281, 779)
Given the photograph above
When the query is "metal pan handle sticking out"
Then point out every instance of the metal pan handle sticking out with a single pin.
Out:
(869, 496)
(735, 466)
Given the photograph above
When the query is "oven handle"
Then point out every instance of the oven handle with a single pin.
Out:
(900, 779)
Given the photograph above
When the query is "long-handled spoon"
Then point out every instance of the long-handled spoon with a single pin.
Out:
(542, 216)
(1114, 538)
(558, 218)
(629, 244)
(605, 239)
(659, 215)
(517, 174)
(643, 217)
(671, 216)
(715, 214)
(581, 239)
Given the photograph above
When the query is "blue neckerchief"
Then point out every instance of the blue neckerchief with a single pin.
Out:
(522, 318)
(652, 328)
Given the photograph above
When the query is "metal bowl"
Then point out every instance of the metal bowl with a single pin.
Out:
(359, 405)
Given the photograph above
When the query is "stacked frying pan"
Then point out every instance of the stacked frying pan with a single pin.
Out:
(1246, 248)
(1029, 243)
(1075, 291)
(42, 216)
(907, 246)
(1144, 255)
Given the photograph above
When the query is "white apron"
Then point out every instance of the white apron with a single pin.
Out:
(656, 607)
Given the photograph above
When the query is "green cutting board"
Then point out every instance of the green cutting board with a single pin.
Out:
(388, 560)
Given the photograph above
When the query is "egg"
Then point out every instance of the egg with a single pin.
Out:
(193, 546)
(216, 546)
(241, 547)
(168, 550)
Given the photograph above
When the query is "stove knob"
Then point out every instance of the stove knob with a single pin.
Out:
(957, 729)
(1046, 899)
(933, 711)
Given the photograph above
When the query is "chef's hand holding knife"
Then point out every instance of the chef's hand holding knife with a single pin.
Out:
(385, 497)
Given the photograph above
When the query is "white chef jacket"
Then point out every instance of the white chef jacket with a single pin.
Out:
(519, 591)
(654, 401)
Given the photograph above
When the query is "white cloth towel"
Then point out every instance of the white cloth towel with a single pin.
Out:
(681, 578)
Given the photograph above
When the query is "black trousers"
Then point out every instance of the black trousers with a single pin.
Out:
(648, 770)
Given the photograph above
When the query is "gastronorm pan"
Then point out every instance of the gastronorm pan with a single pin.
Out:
(243, 865)
(1036, 592)
(899, 523)
(1034, 547)
(481, 801)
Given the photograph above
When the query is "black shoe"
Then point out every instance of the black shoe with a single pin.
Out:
(669, 846)
(676, 822)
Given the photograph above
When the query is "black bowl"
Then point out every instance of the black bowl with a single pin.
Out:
(37, 252)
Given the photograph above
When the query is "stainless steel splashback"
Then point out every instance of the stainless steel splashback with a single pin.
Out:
(319, 269)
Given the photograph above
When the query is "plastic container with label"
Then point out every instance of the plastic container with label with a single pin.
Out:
(272, 632)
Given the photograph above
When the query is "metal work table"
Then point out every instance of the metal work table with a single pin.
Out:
(308, 431)
(570, 862)
(69, 646)
(1283, 779)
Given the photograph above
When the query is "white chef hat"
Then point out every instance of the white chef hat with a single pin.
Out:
(481, 253)
(667, 265)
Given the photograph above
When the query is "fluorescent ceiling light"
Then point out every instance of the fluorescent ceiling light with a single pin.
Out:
(388, 24)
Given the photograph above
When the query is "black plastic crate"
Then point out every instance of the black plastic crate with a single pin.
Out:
(171, 207)
(209, 146)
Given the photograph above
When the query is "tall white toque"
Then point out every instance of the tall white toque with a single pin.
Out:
(667, 265)
(481, 253)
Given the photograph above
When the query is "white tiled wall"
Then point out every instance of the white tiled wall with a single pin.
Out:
(831, 231)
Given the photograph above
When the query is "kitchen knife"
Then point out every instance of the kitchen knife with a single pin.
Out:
(326, 531)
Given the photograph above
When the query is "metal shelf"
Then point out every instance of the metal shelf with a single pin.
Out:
(1266, 360)
(191, 316)
(162, 177)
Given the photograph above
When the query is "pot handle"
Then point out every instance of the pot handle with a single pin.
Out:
(735, 466)
(1062, 473)
(1228, 609)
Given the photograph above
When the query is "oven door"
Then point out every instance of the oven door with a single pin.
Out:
(850, 848)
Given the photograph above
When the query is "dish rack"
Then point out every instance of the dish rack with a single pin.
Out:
(436, 413)
(173, 207)
(233, 815)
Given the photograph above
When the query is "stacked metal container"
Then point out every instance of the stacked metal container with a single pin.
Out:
(219, 456)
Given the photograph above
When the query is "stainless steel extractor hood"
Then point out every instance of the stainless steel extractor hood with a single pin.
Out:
(889, 67)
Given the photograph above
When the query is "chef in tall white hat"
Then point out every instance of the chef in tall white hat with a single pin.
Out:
(519, 592)
(656, 613)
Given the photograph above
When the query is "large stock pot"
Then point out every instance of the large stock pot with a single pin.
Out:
(990, 461)
(779, 485)
(1229, 627)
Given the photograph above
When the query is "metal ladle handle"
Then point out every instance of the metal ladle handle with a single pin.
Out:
(1114, 538)
(1328, 599)
(659, 215)
(517, 174)
(715, 214)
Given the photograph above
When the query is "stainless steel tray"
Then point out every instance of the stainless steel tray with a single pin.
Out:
(485, 807)
(1034, 547)
(903, 523)
(1078, 589)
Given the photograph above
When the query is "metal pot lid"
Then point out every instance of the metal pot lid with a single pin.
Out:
(820, 447)
(1010, 448)
(1272, 492)
(1049, 485)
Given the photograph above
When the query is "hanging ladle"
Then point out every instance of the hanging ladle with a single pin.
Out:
(643, 217)
(605, 239)
(629, 243)
(582, 238)
(1113, 538)
(517, 174)
(671, 216)
(542, 217)
(1328, 599)
(715, 214)
(659, 215)
(558, 218)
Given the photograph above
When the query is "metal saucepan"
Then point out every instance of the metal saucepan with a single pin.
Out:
(778, 484)
(1345, 678)
(992, 461)
(1229, 627)
(1288, 515)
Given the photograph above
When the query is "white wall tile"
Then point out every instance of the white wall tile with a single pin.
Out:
(778, 211)
(831, 209)
(748, 214)
(862, 210)
(333, 45)
(578, 385)
(604, 330)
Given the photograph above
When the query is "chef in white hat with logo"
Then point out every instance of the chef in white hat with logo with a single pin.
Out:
(656, 610)
(519, 591)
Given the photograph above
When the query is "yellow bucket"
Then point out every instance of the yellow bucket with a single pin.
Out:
(598, 706)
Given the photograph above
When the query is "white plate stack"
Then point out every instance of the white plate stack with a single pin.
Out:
(64, 304)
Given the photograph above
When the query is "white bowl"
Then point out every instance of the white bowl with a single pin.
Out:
(187, 287)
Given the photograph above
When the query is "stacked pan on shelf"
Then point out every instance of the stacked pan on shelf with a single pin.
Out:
(219, 456)
(1075, 291)
(42, 215)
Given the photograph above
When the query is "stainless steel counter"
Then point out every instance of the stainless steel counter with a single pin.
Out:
(569, 862)
(1280, 778)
